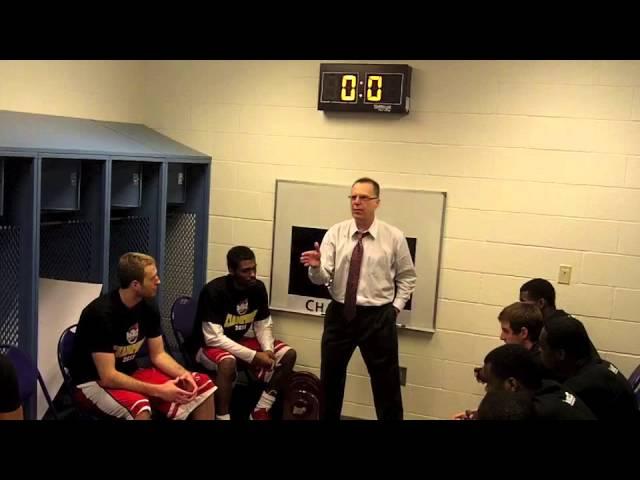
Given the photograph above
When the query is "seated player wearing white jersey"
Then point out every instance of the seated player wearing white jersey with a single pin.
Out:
(233, 324)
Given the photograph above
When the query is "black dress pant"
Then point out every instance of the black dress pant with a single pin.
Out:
(374, 331)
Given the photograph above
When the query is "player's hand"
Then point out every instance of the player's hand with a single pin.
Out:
(466, 415)
(171, 392)
(263, 360)
(188, 383)
(311, 258)
(272, 355)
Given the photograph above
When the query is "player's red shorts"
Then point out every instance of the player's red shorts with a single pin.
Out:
(127, 404)
(211, 357)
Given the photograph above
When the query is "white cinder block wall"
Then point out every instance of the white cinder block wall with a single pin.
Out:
(102, 90)
(541, 161)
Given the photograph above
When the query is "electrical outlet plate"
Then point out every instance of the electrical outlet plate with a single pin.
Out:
(403, 376)
(564, 276)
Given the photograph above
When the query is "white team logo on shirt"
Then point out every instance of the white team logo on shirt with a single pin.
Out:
(132, 334)
(613, 369)
(570, 399)
(243, 307)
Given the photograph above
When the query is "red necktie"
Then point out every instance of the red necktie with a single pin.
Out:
(353, 279)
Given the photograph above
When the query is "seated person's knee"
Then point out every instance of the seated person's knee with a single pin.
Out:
(291, 356)
(227, 369)
(289, 359)
(144, 415)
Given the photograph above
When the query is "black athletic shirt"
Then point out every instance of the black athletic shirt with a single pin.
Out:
(108, 325)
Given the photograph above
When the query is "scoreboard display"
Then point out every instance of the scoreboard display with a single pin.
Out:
(347, 87)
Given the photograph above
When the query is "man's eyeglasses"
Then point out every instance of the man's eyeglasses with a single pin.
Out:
(362, 198)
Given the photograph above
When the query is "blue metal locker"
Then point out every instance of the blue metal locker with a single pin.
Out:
(76, 191)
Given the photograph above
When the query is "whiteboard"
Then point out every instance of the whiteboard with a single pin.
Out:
(304, 211)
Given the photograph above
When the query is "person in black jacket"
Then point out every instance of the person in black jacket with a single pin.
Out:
(566, 349)
(513, 368)
(506, 405)
(540, 292)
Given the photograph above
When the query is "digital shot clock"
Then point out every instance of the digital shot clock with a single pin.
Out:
(348, 87)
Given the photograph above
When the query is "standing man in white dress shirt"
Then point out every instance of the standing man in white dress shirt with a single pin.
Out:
(368, 268)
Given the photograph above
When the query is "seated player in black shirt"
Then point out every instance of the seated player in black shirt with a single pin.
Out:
(233, 324)
(567, 350)
(541, 293)
(513, 368)
(506, 405)
(110, 334)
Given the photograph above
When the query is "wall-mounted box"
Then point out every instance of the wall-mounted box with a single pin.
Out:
(60, 184)
(176, 186)
(126, 185)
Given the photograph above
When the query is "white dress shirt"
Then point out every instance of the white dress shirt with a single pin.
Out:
(387, 273)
